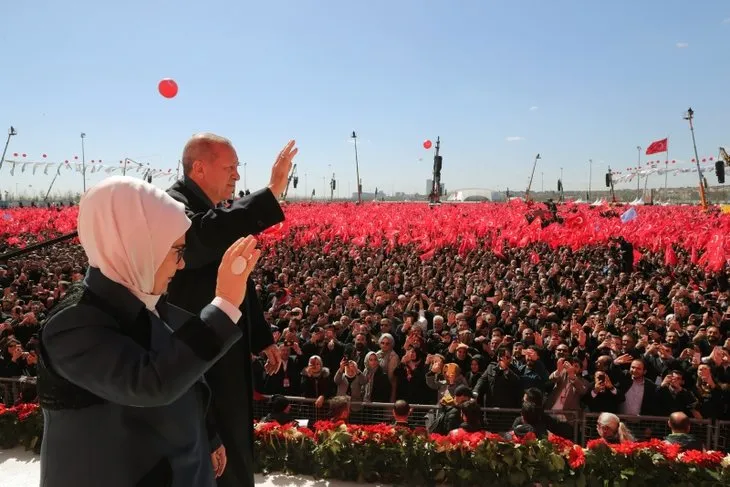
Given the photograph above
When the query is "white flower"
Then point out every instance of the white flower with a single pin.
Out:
(726, 461)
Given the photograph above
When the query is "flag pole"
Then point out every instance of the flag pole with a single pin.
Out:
(638, 174)
(666, 168)
(666, 171)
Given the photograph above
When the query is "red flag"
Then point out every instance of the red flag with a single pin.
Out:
(657, 146)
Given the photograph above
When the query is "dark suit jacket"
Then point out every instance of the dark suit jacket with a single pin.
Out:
(213, 230)
(650, 402)
(149, 380)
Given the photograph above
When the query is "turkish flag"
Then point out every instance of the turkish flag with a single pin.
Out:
(657, 146)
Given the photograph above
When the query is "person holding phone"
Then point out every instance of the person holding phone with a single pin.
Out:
(604, 396)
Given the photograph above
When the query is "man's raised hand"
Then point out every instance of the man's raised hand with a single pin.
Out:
(281, 169)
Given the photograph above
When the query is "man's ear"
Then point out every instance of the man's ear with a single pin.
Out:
(197, 168)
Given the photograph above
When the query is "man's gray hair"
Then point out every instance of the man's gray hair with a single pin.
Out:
(202, 147)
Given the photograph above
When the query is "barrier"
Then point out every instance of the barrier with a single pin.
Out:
(714, 434)
(17, 389)
(646, 427)
(496, 420)
(721, 441)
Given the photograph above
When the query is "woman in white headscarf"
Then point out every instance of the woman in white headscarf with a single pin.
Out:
(120, 372)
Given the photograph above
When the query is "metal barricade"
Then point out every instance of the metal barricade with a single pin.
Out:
(14, 390)
(496, 420)
(722, 436)
(647, 427)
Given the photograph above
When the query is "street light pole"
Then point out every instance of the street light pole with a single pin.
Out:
(590, 176)
(690, 116)
(11, 132)
(83, 159)
(245, 186)
(561, 184)
(529, 185)
(357, 170)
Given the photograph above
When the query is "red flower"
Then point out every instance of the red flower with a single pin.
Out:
(576, 457)
(560, 443)
(709, 459)
(596, 444)
(307, 432)
(627, 449)
(526, 438)
(24, 410)
(326, 425)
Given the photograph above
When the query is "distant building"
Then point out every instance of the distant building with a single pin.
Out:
(476, 194)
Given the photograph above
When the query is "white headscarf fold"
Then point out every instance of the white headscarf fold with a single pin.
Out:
(127, 227)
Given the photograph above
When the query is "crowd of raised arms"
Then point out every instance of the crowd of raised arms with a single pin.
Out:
(580, 329)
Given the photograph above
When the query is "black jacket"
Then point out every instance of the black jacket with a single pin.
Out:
(212, 231)
(498, 388)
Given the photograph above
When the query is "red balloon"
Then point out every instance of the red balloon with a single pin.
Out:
(427, 144)
(704, 160)
(167, 88)
(711, 158)
(15, 154)
(66, 161)
(23, 155)
(76, 157)
(44, 155)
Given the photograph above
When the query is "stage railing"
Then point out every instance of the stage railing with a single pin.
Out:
(17, 389)
(647, 427)
(721, 441)
(495, 419)
(714, 434)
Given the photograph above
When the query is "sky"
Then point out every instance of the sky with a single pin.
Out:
(497, 81)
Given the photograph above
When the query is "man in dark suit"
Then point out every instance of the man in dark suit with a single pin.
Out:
(639, 393)
(210, 169)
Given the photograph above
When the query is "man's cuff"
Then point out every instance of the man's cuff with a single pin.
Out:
(231, 311)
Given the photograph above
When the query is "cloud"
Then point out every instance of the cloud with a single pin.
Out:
(682, 45)
(726, 21)
(515, 138)
(532, 109)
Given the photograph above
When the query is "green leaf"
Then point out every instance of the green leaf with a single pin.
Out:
(557, 462)
(517, 478)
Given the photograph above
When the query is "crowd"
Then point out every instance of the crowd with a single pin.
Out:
(536, 326)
